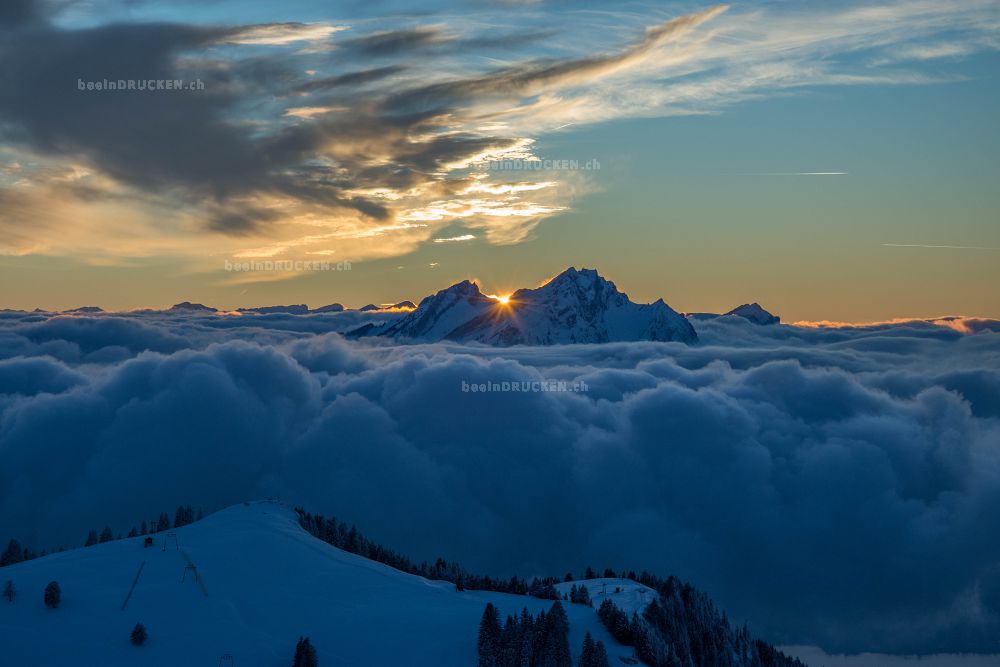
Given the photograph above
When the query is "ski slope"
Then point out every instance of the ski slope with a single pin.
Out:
(261, 583)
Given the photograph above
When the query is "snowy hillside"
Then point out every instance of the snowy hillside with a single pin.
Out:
(574, 307)
(248, 581)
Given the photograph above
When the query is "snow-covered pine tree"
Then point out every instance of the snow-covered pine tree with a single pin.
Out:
(183, 516)
(12, 554)
(556, 652)
(489, 637)
(106, 535)
(91, 539)
(526, 639)
(509, 643)
(138, 636)
(587, 653)
(53, 595)
(600, 655)
(305, 654)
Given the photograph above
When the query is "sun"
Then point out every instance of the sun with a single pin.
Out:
(504, 300)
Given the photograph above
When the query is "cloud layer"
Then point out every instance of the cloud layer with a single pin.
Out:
(836, 487)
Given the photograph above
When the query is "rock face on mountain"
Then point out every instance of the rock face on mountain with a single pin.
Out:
(440, 314)
(574, 307)
(294, 309)
(188, 307)
(331, 308)
(755, 313)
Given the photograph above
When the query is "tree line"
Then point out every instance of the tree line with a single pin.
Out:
(184, 515)
(533, 641)
(682, 627)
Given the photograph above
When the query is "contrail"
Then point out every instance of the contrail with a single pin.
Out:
(953, 247)
(799, 173)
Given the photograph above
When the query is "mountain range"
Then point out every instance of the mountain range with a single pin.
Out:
(577, 306)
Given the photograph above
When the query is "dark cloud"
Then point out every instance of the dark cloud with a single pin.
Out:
(155, 140)
(393, 42)
(356, 78)
(833, 486)
(17, 12)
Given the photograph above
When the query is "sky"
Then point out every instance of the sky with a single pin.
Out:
(833, 161)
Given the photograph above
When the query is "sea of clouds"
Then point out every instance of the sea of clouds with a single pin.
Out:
(837, 487)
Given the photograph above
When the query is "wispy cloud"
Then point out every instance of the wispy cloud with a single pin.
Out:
(454, 239)
(795, 173)
(952, 247)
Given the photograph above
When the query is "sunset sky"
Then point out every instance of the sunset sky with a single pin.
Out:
(833, 161)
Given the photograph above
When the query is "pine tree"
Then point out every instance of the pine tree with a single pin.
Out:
(183, 516)
(138, 634)
(163, 523)
(587, 654)
(91, 539)
(305, 654)
(489, 637)
(12, 554)
(133, 532)
(8, 591)
(526, 640)
(600, 655)
(509, 643)
(556, 651)
(143, 530)
(106, 535)
(53, 595)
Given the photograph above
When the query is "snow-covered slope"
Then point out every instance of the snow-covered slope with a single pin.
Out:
(753, 312)
(441, 313)
(574, 307)
(263, 583)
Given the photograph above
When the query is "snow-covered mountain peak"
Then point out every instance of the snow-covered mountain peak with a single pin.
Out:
(755, 313)
(441, 313)
(576, 306)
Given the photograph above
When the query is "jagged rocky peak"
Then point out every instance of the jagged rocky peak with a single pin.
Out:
(187, 306)
(331, 308)
(576, 306)
(755, 313)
